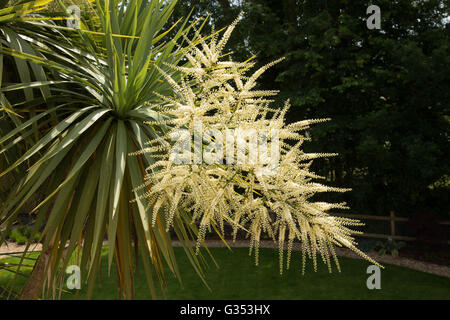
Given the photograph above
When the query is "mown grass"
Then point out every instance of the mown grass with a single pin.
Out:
(238, 278)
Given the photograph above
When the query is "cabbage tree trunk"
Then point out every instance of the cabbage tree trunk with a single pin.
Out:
(34, 285)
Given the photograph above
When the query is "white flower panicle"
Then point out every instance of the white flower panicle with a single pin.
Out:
(258, 195)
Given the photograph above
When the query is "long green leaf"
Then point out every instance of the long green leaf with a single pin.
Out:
(120, 162)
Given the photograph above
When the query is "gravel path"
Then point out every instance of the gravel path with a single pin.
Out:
(439, 270)
(13, 248)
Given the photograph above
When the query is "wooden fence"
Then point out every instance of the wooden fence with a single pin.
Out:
(392, 219)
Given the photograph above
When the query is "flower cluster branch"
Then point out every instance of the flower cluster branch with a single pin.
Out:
(258, 195)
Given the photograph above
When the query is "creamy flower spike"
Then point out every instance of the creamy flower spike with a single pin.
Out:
(275, 199)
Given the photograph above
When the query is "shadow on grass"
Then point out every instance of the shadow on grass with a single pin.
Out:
(238, 278)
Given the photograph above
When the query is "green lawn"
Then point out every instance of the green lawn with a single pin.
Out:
(239, 278)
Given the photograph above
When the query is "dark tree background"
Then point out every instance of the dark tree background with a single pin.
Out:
(387, 91)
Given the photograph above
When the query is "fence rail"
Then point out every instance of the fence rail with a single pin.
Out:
(392, 219)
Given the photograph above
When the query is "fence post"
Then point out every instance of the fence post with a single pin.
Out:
(392, 225)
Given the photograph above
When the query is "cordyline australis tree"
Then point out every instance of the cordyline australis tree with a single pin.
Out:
(100, 83)
(111, 90)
